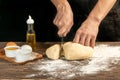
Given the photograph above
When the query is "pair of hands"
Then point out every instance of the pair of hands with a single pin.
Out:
(85, 35)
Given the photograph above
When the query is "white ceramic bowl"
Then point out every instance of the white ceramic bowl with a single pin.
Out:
(11, 51)
(21, 57)
(26, 49)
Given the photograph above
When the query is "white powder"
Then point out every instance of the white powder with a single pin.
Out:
(55, 68)
(104, 56)
(31, 75)
(52, 65)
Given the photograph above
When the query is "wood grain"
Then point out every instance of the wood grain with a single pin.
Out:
(14, 71)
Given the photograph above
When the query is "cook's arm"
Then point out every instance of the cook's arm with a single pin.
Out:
(58, 2)
(64, 17)
(101, 9)
(88, 31)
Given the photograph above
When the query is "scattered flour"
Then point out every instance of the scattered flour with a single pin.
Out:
(104, 56)
(31, 75)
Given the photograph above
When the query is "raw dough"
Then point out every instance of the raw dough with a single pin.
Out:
(53, 52)
(71, 51)
(75, 51)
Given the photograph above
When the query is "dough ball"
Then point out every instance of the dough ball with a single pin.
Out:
(75, 51)
(53, 52)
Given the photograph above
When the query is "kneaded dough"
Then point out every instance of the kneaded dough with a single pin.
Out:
(71, 51)
(75, 51)
(53, 52)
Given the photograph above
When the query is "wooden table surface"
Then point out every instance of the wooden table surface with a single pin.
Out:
(13, 71)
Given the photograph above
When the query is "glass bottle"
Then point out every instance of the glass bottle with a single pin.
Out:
(31, 36)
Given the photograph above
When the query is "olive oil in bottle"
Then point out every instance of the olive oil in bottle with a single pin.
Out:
(30, 35)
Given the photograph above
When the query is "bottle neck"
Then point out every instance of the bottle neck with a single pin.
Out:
(30, 28)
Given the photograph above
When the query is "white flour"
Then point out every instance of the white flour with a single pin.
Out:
(102, 59)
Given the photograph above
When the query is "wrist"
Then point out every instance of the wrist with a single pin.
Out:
(95, 19)
(92, 21)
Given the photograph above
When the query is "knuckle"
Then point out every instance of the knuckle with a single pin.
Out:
(54, 22)
(59, 23)
(59, 34)
(72, 23)
(68, 30)
(69, 24)
(93, 36)
(81, 42)
(84, 33)
(78, 32)
(86, 44)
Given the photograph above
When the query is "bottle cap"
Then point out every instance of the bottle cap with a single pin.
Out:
(30, 20)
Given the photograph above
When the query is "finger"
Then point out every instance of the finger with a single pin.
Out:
(92, 42)
(87, 41)
(55, 22)
(62, 31)
(58, 20)
(56, 17)
(67, 30)
(82, 39)
(77, 37)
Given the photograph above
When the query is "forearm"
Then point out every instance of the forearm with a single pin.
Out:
(101, 9)
(64, 17)
(59, 2)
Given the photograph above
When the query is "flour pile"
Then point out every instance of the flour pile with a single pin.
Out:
(104, 56)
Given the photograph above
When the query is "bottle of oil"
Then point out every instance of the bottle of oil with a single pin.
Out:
(31, 36)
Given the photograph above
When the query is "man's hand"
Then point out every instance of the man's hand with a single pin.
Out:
(64, 17)
(87, 33)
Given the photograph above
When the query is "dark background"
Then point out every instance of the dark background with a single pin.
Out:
(13, 16)
(14, 13)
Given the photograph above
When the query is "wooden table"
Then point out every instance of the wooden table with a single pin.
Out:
(13, 71)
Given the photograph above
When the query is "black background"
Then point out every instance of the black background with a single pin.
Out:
(14, 13)
(13, 16)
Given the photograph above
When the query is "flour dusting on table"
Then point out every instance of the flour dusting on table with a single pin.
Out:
(104, 56)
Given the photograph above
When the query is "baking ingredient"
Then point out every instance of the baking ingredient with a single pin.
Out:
(31, 40)
(25, 53)
(75, 51)
(11, 51)
(12, 48)
(31, 35)
(11, 44)
(20, 57)
(104, 59)
(71, 51)
(53, 52)
(26, 49)
(20, 54)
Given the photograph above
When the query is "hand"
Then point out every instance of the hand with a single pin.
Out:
(64, 18)
(87, 33)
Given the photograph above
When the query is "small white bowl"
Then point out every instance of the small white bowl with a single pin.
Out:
(26, 49)
(11, 51)
(21, 57)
